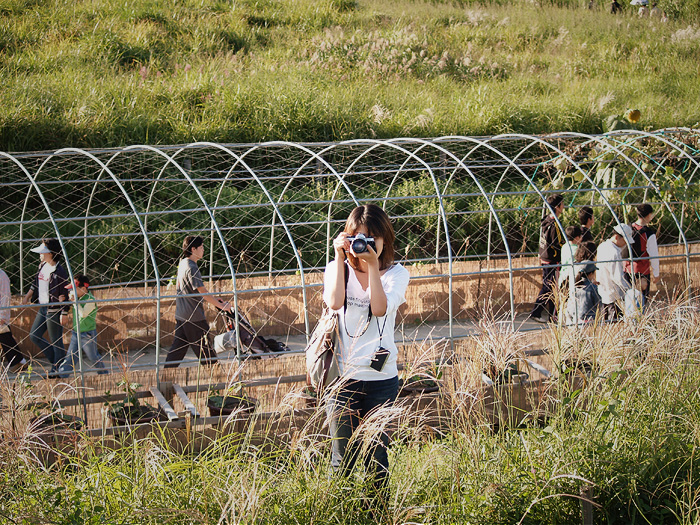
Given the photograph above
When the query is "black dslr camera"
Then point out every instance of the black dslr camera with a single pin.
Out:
(359, 243)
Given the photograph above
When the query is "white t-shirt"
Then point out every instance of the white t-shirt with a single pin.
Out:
(44, 276)
(568, 252)
(634, 304)
(611, 275)
(360, 339)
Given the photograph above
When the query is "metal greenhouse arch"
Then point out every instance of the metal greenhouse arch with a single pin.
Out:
(466, 212)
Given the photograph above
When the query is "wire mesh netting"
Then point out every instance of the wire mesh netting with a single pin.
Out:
(466, 211)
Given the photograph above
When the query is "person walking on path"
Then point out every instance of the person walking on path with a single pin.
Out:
(191, 326)
(84, 319)
(10, 350)
(567, 273)
(645, 252)
(47, 289)
(612, 284)
(367, 305)
(551, 241)
(583, 308)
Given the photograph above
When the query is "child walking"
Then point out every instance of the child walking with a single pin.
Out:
(585, 303)
(84, 317)
(567, 274)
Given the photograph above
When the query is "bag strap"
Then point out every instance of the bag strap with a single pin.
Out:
(346, 272)
(345, 301)
(345, 307)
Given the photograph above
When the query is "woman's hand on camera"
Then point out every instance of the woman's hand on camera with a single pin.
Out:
(340, 244)
(369, 256)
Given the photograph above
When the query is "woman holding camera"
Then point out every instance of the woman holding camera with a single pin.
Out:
(367, 304)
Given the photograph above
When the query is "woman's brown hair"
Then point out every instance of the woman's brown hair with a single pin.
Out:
(378, 224)
(190, 243)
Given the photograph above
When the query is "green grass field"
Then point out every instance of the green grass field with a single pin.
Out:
(105, 73)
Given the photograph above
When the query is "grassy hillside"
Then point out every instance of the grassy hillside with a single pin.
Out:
(97, 73)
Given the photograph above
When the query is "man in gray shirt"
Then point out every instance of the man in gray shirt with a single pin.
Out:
(191, 327)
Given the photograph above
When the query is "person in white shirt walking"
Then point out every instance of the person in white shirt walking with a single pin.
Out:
(48, 289)
(567, 273)
(612, 284)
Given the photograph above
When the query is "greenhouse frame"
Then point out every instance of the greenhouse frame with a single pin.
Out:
(466, 211)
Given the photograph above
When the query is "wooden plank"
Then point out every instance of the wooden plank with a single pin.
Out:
(542, 370)
(91, 400)
(180, 423)
(163, 403)
(250, 382)
(185, 400)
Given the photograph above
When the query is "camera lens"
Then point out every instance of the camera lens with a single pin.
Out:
(359, 245)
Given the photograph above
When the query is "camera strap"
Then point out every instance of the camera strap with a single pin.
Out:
(381, 330)
(345, 308)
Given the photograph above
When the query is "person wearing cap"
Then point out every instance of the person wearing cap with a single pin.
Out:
(10, 349)
(47, 289)
(612, 284)
(586, 299)
(85, 319)
(191, 326)
(551, 241)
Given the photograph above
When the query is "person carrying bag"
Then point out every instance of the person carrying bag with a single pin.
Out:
(364, 288)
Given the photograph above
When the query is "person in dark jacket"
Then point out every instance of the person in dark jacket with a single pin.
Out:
(586, 220)
(551, 241)
(49, 289)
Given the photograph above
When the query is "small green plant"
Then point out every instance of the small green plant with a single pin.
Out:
(130, 410)
(423, 379)
(229, 399)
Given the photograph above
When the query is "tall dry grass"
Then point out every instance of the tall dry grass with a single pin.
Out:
(620, 432)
